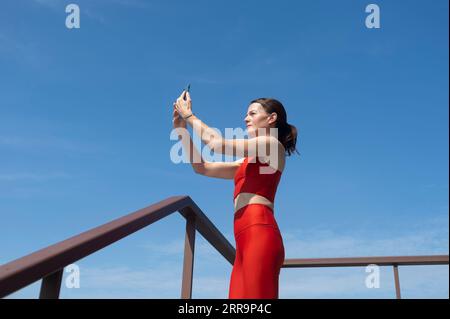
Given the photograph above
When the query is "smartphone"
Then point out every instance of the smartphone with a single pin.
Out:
(187, 90)
(184, 97)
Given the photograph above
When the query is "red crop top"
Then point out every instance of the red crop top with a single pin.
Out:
(248, 179)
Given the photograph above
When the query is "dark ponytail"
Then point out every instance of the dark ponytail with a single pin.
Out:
(288, 137)
(287, 133)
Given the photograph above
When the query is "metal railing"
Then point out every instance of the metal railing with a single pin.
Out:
(394, 261)
(48, 264)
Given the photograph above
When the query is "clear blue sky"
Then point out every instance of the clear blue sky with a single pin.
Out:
(85, 119)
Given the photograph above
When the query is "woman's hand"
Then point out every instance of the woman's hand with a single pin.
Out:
(184, 106)
(177, 120)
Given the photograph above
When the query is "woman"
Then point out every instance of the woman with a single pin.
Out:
(259, 244)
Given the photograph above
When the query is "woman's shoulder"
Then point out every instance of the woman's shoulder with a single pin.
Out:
(276, 161)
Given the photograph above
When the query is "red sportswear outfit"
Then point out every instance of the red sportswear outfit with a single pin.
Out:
(259, 245)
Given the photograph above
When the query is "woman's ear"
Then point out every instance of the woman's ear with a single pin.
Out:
(272, 118)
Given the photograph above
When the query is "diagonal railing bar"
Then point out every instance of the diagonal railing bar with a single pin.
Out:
(45, 262)
(209, 231)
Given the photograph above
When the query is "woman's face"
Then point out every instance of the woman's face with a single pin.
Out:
(256, 118)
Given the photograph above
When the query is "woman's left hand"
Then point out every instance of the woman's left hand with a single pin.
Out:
(184, 106)
(177, 120)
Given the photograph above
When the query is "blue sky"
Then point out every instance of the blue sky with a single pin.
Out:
(85, 120)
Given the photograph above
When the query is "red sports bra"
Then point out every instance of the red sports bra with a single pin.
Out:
(249, 179)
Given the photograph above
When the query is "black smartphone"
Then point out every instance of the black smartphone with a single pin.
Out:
(187, 90)
(184, 97)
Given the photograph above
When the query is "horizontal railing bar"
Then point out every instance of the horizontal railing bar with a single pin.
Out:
(26, 270)
(364, 261)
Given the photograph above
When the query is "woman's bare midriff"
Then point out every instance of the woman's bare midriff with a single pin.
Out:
(244, 199)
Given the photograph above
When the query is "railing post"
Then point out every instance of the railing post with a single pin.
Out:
(51, 285)
(397, 282)
(188, 264)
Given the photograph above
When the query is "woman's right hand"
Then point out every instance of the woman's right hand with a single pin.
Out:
(177, 120)
(184, 104)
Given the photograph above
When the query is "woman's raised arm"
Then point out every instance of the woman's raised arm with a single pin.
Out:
(224, 170)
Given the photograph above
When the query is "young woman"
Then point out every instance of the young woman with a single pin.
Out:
(259, 244)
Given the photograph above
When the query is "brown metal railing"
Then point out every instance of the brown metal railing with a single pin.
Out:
(394, 261)
(48, 264)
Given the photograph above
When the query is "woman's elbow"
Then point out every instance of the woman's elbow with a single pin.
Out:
(199, 168)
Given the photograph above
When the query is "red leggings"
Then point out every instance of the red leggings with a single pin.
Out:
(259, 254)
